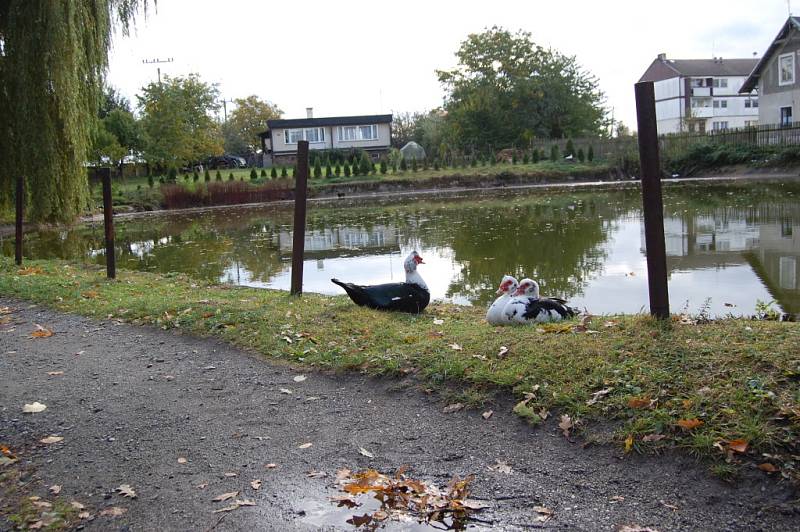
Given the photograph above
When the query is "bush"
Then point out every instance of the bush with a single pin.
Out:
(394, 167)
(542, 156)
(195, 176)
(590, 154)
(384, 169)
(346, 170)
(172, 175)
(206, 175)
(253, 174)
(186, 177)
(366, 163)
(535, 156)
(403, 165)
(337, 171)
(273, 173)
(150, 182)
(294, 170)
(581, 156)
(328, 171)
(525, 158)
(473, 162)
(317, 169)
(218, 176)
(514, 157)
(414, 164)
(284, 172)
(354, 168)
(263, 172)
(570, 149)
(436, 164)
(492, 158)
(554, 153)
(230, 176)
(425, 163)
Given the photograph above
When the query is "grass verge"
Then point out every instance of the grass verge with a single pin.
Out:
(728, 391)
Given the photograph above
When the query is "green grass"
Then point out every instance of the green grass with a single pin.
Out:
(741, 378)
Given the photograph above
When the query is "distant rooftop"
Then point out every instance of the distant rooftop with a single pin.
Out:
(663, 68)
(330, 121)
(752, 81)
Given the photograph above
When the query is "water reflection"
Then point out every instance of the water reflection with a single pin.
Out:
(734, 244)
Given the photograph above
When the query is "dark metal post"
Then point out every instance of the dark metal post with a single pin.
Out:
(108, 222)
(20, 207)
(299, 240)
(651, 200)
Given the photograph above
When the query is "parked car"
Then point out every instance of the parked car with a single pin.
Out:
(225, 161)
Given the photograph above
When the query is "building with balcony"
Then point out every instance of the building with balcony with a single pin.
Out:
(699, 95)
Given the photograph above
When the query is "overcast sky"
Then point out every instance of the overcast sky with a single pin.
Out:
(365, 57)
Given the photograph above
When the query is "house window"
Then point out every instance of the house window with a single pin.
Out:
(751, 103)
(786, 116)
(786, 69)
(701, 102)
(698, 82)
(750, 123)
(720, 103)
(720, 125)
(353, 133)
(312, 135)
(720, 82)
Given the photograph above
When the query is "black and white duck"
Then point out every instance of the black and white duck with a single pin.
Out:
(526, 306)
(411, 296)
(495, 316)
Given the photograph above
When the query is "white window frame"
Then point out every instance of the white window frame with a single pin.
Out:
(720, 83)
(781, 81)
(358, 133)
(287, 135)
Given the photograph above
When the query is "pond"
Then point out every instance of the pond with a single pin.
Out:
(728, 245)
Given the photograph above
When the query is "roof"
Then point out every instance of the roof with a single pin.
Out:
(662, 69)
(329, 121)
(751, 82)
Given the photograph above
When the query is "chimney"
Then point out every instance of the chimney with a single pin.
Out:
(662, 57)
(309, 112)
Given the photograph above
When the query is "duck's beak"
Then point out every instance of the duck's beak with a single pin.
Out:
(499, 291)
(519, 291)
(418, 260)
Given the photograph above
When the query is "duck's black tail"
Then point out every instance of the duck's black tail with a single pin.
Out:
(356, 293)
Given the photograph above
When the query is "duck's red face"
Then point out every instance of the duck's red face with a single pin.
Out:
(505, 286)
(522, 289)
(418, 259)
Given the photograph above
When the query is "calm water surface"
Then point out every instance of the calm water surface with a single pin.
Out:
(728, 246)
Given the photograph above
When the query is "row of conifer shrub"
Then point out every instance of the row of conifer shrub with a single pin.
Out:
(224, 193)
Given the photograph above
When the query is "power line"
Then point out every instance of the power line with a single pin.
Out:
(157, 61)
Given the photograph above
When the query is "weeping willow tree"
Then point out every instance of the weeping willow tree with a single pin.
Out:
(53, 58)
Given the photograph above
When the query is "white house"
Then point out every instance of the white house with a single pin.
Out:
(702, 94)
(371, 133)
(777, 76)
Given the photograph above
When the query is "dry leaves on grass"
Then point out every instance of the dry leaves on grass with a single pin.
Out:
(640, 402)
(566, 424)
(502, 352)
(599, 394)
(689, 424)
(768, 468)
(31, 270)
(629, 443)
(455, 347)
(41, 332)
(33, 408)
(739, 446)
(653, 437)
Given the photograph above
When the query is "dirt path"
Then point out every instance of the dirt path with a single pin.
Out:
(132, 400)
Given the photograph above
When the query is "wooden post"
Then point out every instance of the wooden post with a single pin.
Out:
(299, 231)
(651, 200)
(108, 222)
(18, 228)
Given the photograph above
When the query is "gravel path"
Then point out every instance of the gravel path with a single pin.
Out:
(133, 400)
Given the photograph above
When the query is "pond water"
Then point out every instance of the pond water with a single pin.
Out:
(728, 246)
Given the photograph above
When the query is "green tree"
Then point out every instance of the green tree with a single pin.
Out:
(284, 172)
(253, 174)
(403, 165)
(570, 149)
(590, 154)
(414, 164)
(317, 169)
(206, 176)
(218, 176)
(384, 168)
(535, 156)
(195, 176)
(507, 89)
(248, 119)
(263, 172)
(273, 173)
(230, 176)
(337, 171)
(346, 169)
(554, 153)
(514, 157)
(150, 182)
(177, 121)
(328, 170)
(581, 155)
(53, 57)
(365, 165)
(525, 158)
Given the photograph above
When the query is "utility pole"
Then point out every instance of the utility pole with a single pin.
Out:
(225, 107)
(157, 61)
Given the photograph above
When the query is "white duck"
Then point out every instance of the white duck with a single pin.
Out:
(495, 316)
(527, 307)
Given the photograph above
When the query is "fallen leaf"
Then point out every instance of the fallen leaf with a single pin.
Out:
(670, 506)
(271, 466)
(629, 443)
(41, 332)
(487, 414)
(617, 498)
(182, 460)
(565, 424)
(634, 528)
(455, 407)
(230, 474)
(225, 496)
(31, 270)
(503, 351)
(739, 446)
(126, 491)
(245, 502)
(299, 378)
(113, 511)
(653, 437)
(438, 322)
(343, 474)
(51, 439)
(55, 373)
(316, 474)
(77, 505)
(365, 452)
(768, 468)
(360, 520)
(41, 504)
(230, 508)
(304, 445)
(202, 486)
(286, 391)
(33, 408)
(207, 315)
(456, 347)
(55, 489)
(501, 467)
(639, 402)
(689, 424)
(84, 515)
(545, 514)
(36, 525)
(599, 394)
(91, 294)
(255, 484)
(344, 500)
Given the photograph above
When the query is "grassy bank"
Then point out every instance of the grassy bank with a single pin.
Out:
(728, 391)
